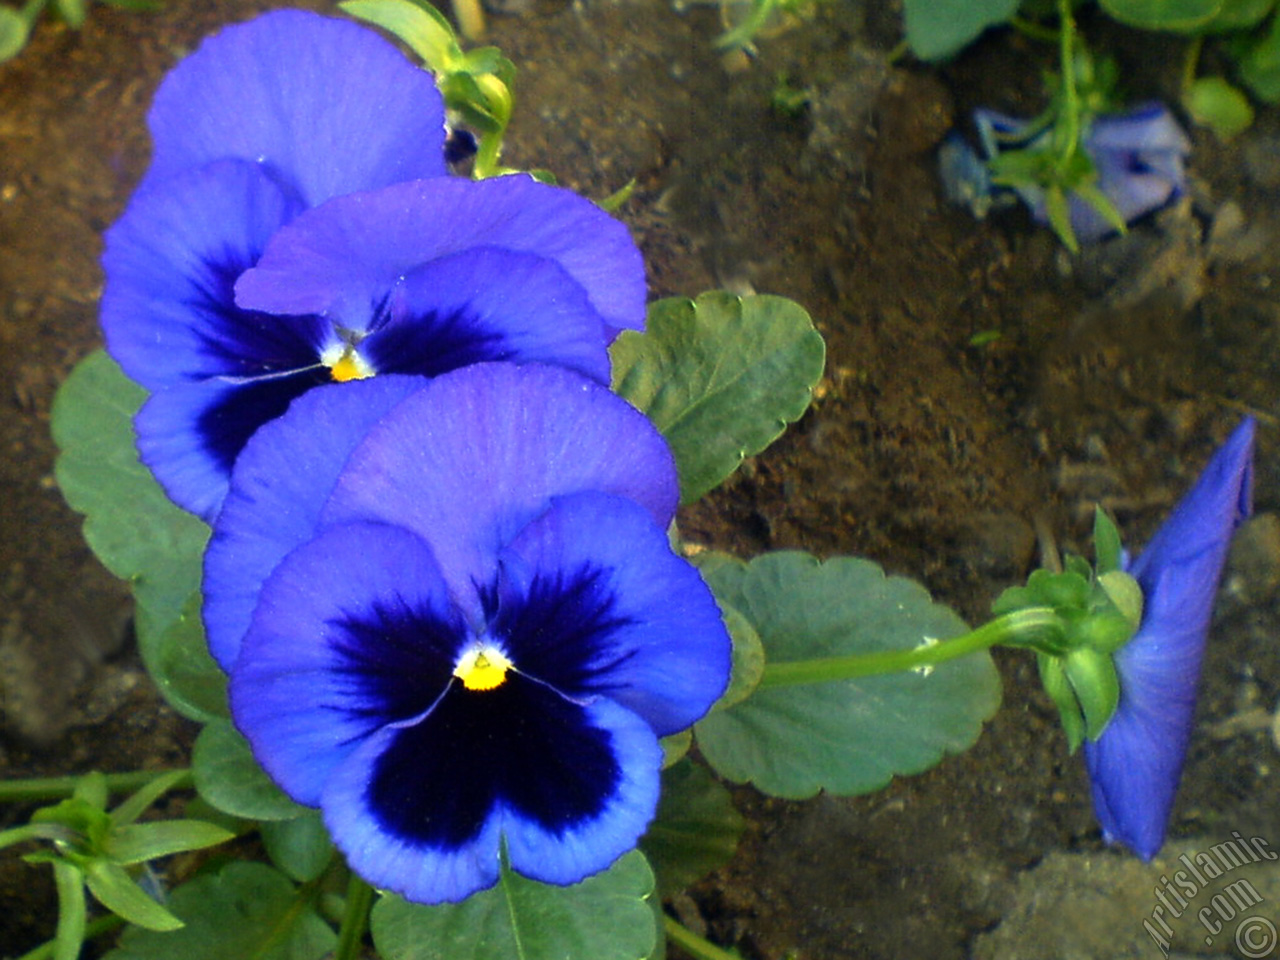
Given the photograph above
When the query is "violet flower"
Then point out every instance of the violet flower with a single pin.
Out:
(1139, 158)
(296, 228)
(1136, 763)
(470, 631)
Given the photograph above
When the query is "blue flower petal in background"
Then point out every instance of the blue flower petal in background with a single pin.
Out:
(349, 253)
(289, 469)
(1136, 763)
(325, 106)
(1139, 157)
(487, 656)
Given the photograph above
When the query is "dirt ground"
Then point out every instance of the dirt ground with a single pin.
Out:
(1113, 376)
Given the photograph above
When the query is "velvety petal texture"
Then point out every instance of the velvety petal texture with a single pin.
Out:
(323, 105)
(296, 228)
(1136, 763)
(472, 631)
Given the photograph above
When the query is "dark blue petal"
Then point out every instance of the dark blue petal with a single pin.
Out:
(601, 605)
(487, 304)
(531, 432)
(168, 309)
(327, 106)
(285, 473)
(1136, 763)
(343, 257)
(190, 434)
(422, 810)
(354, 632)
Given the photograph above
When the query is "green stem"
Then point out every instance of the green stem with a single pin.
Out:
(92, 930)
(355, 919)
(1035, 627)
(1190, 62)
(33, 831)
(1036, 31)
(1070, 98)
(55, 788)
(470, 17)
(692, 944)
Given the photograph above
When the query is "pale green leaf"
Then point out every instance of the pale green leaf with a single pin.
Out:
(246, 910)
(605, 917)
(229, 778)
(720, 376)
(939, 28)
(847, 736)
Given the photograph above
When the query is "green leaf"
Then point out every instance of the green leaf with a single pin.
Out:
(134, 529)
(425, 30)
(1260, 64)
(72, 11)
(696, 830)
(720, 376)
(179, 662)
(1180, 16)
(939, 28)
(14, 31)
(300, 847)
(246, 910)
(605, 917)
(229, 778)
(848, 736)
(131, 808)
(138, 842)
(117, 892)
(748, 659)
(1214, 103)
(1239, 15)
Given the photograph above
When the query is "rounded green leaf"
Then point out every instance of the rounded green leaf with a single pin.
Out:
(228, 778)
(939, 28)
(696, 830)
(848, 736)
(1181, 16)
(13, 33)
(605, 917)
(300, 847)
(720, 376)
(1216, 104)
(244, 910)
(135, 530)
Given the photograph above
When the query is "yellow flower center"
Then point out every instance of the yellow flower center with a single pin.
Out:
(350, 366)
(482, 668)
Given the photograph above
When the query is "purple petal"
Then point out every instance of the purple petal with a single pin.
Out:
(611, 611)
(476, 455)
(325, 106)
(190, 434)
(1136, 764)
(168, 311)
(570, 788)
(340, 648)
(346, 255)
(488, 304)
(282, 479)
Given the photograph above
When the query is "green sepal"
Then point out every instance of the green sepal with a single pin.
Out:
(1125, 595)
(1053, 677)
(1107, 551)
(1096, 685)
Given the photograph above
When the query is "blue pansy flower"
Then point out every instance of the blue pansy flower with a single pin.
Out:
(1136, 763)
(1139, 157)
(296, 228)
(467, 637)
